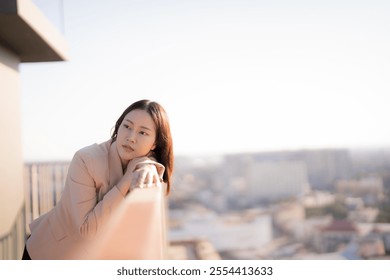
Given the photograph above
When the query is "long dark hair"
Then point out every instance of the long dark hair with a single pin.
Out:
(164, 147)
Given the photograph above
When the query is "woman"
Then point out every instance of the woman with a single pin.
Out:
(100, 176)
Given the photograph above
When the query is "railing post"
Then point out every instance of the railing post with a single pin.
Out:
(136, 230)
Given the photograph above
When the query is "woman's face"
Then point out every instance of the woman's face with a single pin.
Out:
(136, 136)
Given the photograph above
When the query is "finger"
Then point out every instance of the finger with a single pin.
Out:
(150, 173)
(134, 162)
(141, 177)
(155, 175)
(158, 183)
(134, 179)
(152, 177)
(149, 179)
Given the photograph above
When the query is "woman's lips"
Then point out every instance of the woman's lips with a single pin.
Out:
(128, 149)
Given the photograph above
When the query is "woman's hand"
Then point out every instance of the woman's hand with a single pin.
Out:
(139, 175)
(145, 176)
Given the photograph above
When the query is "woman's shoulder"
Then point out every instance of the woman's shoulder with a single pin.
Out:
(92, 160)
(95, 150)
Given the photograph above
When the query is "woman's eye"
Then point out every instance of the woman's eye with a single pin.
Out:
(143, 133)
(126, 126)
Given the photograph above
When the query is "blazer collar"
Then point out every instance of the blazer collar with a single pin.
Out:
(115, 165)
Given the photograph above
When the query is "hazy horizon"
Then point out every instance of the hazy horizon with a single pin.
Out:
(234, 76)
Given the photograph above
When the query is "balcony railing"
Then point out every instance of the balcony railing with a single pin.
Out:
(12, 244)
(43, 187)
(43, 183)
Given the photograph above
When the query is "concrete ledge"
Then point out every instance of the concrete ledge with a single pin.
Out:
(27, 32)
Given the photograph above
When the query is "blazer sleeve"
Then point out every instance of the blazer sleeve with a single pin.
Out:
(87, 214)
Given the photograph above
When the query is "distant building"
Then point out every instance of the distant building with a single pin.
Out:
(316, 199)
(323, 167)
(335, 236)
(377, 229)
(246, 230)
(288, 216)
(326, 166)
(386, 240)
(370, 189)
(371, 245)
(364, 215)
(270, 181)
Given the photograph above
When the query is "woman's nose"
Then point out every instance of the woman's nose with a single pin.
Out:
(131, 137)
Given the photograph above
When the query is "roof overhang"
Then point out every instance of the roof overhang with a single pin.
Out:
(28, 33)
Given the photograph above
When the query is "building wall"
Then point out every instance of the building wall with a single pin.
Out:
(11, 161)
(275, 180)
(327, 166)
(370, 189)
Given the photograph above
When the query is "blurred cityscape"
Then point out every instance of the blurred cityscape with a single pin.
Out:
(306, 204)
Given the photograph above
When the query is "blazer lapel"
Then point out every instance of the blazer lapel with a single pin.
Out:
(114, 165)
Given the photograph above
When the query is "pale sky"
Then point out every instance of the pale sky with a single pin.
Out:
(234, 76)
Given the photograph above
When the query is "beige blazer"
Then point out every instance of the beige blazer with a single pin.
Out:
(88, 199)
